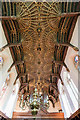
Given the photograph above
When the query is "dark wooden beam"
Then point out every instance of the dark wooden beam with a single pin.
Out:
(15, 63)
(69, 38)
(61, 80)
(52, 84)
(66, 45)
(3, 115)
(66, 67)
(56, 43)
(61, 63)
(57, 76)
(10, 45)
(19, 76)
(7, 37)
(71, 14)
(24, 84)
(22, 75)
(8, 17)
(74, 115)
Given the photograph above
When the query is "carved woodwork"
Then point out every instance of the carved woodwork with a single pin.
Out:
(38, 35)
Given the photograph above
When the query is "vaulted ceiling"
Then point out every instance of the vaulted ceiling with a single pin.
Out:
(38, 35)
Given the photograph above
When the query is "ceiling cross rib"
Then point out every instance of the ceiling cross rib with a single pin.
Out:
(71, 14)
(55, 43)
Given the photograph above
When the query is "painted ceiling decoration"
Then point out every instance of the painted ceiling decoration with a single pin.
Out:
(38, 35)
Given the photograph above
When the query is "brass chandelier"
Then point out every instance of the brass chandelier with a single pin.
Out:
(35, 101)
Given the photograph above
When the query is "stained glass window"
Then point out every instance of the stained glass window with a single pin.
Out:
(1, 61)
(77, 62)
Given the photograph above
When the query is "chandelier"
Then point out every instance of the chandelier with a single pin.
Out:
(35, 101)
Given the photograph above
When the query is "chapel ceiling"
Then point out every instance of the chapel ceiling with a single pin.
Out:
(38, 35)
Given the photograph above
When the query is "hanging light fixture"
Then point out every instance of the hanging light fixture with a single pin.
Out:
(35, 101)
